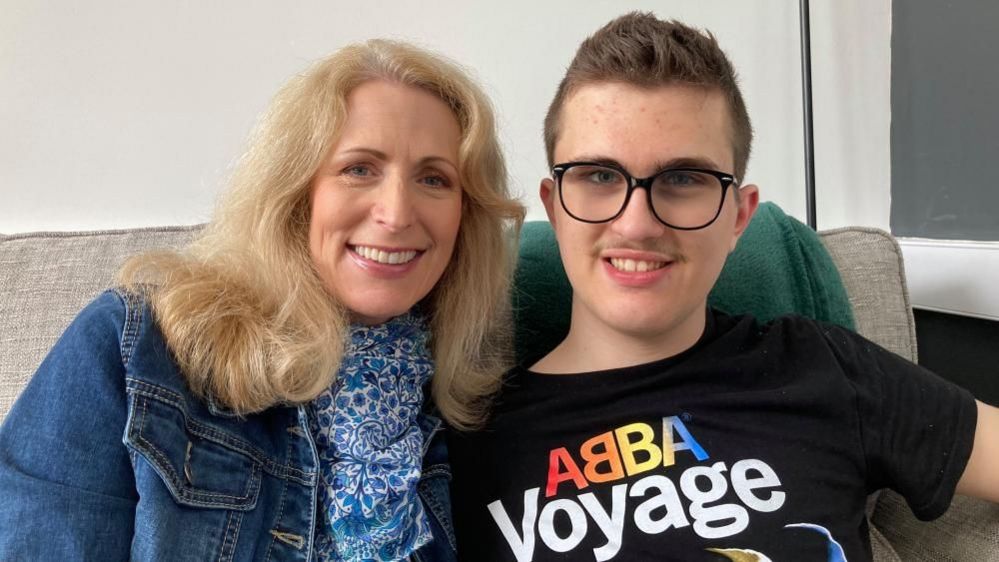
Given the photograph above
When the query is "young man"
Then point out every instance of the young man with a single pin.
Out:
(660, 429)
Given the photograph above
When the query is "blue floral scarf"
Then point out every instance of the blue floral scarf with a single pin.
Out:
(370, 446)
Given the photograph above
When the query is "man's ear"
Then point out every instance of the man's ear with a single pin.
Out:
(749, 200)
(547, 193)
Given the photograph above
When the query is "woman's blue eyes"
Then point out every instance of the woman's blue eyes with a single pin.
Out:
(431, 179)
(358, 170)
(436, 181)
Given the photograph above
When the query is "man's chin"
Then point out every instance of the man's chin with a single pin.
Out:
(650, 324)
(639, 323)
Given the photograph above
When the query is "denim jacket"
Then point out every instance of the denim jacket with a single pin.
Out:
(108, 456)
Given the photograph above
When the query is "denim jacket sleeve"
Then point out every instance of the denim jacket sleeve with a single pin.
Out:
(66, 479)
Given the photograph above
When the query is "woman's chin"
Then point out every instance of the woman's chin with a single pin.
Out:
(372, 315)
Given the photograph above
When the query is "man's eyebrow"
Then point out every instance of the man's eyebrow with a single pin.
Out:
(688, 162)
(680, 162)
(602, 160)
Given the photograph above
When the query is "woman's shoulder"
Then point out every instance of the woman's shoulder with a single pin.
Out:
(114, 312)
(113, 319)
(107, 311)
(96, 331)
(118, 328)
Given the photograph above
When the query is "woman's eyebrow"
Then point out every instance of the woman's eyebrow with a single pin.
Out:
(383, 156)
(436, 160)
(364, 150)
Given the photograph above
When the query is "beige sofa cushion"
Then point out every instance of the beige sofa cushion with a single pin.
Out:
(46, 278)
(969, 531)
(870, 263)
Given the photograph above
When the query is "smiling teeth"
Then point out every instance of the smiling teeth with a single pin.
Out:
(381, 256)
(636, 265)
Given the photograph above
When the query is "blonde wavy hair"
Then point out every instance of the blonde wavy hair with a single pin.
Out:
(243, 308)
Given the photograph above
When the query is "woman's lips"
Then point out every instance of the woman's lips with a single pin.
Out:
(385, 263)
(383, 256)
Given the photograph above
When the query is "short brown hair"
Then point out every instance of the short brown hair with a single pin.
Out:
(644, 51)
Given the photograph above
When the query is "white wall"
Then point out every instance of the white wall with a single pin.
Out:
(851, 79)
(118, 114)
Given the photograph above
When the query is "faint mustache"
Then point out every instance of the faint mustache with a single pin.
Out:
(655, 246)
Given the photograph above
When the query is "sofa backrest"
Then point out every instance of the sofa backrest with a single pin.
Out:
(871, 267)
(46, 278)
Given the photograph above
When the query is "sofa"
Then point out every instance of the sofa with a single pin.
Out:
(46, 278)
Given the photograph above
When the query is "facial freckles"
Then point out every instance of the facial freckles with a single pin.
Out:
(645, 130)
(386, 203)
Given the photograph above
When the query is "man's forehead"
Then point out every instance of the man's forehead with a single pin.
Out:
(615, 90)
(614, 120)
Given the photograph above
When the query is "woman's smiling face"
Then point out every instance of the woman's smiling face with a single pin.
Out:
(386, 202)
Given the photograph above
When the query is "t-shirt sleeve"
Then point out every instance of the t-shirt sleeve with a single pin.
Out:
(916, 429)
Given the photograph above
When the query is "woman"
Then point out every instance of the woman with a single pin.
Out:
(260, 394)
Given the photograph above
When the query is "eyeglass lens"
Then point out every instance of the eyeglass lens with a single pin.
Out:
(680, 198)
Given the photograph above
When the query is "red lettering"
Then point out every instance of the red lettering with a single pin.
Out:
(557, 459)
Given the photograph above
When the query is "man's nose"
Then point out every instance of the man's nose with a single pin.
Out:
(637, 221)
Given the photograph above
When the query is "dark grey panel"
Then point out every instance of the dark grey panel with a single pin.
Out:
(961, 349)
(945, 119)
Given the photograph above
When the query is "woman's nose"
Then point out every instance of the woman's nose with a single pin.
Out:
(393, 208)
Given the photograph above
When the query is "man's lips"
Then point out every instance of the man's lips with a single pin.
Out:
(636, 261)
(629, 265)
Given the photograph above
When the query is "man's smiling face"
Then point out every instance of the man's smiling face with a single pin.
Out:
(634, 275)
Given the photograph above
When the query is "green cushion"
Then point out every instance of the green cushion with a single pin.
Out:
(779, 267)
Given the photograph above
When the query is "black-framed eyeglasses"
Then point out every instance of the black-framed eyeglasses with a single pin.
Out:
(680, 198)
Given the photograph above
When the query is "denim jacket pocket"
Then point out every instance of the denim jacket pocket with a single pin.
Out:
(435, 492)
(194, 460)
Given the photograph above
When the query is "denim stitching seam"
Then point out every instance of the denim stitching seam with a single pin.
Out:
(225, 539)
(280, 516)
(205, 431)
(192, 496)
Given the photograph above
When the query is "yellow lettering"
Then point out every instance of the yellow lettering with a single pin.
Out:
(643, 443)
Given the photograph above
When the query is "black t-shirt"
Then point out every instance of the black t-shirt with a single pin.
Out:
(758, 443)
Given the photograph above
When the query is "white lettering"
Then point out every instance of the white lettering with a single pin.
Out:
(661, 510)
(612, 526)
(577, 524)
(667, 498)
(523, 549)
(744, 485)
(705, 515)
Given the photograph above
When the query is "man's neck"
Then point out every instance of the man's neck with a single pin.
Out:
(595, 346)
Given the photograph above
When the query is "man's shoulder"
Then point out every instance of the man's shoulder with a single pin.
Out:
(785, 324)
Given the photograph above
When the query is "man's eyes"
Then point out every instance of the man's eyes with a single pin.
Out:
(604, 176)
(682, 179)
